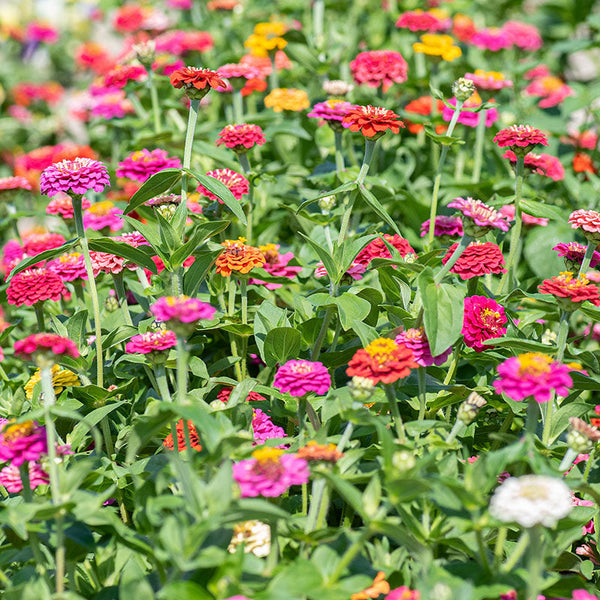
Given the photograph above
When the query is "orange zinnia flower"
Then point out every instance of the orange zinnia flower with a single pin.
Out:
(281, 99)
(196, 82)
(380, 586)
(382, 360)
(372, 121)
(238, 257)
(181, 445)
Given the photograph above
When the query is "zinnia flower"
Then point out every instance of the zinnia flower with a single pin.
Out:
(403, 593)
(444, 226)
(61, 378)
(468, 117)
(423, 20)
(266, 38)
(77, 176)
(48, 344)
(520, 138)
(372, 121)
(491, 38)
(34, 285)
(523, 35)
(264, 429)
(140, 165)
(331, 111)
(423, 106)
(542, 164)
(489, 80)
(300, 377)
(572, 290)
(241, 138)
(531, 500)
(573, 254)
(314, 452)
(589, 223)
(508, 210)
(438, 46)
(151, 342)
(105, 262)
(477, 259)
(34, 243)
(533, 374)
(238, 257)
(181, 309)
(238, 185)
(20, 442)
(479, 218)
(10, 477)
(379, 68)
(291, 99)
(377, 588)
(270, 473)
(416, 341)
(225, 394)
(181, 443)
(378, 249)
(103, 214)
(255, 537)
(484, 319)
(63, 205)
(383, 360)
(9, 184)
(122, 74)
(551, 89)
(196, 82)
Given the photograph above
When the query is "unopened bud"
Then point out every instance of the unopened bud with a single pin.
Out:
(361, 388)
(403, 461)
(468, 410)
(463, 89)
(326, 203)
(578, 442)
(144, 52)
(111, 304)
(549, 337)
(582, 436)
(166, 211)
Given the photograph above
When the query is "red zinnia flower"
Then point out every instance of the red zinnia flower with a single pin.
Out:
(181, 445)
(240, 138)
(476, 260)
(575, 290)
(225, 394)
(34, 285)
(378, 249)
(520, 138)
(372, 121)
(196, 82)
(542, 164)
(382, 360)
(238, 185)
(377, 68)
(484, 319)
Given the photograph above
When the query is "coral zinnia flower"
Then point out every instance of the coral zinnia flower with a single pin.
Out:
(61, 378)
(476, 260)
(441, 46)
(479, 216)
(378, 587)
(34, 243)
(34, 285)
(314, 452)
(520, 138)
(20, 442)
(533, 374)
(382, 360)
(589, 223)
(575, 290)
(196, 82)
(14, 183)
(372, 121)
(299, 377)
(77, 176)
(63, 205)
(238, 257)
(281, 99)
(238, 185)
(378, 249)
(47, 344)
(379, 68)
(105, 262)
(484, 319)
(240, 138)
(416, 341)
(181, 445)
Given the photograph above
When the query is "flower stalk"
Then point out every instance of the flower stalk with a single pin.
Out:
(189, 143)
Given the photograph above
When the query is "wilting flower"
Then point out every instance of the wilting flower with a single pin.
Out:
(378, 249)
(254, 536)
(181, 309)
(572, 290)
(300, 377)
(20, 442)
(438, 46)
(238, 257)
(181, 443)
(533, 374)
(379, 68)
(468, 117)
(63, 205)
(423, 20)
(573, 254)
(151, 342)
(416, 341)
(314, 452)
(276, 264)
(476, 260)
(269, 473)
(491, 38)
(520, 138)
(484, 319)
(372, 121)
(292, 99)
(237, 184)
(542, 164)
(61, 378)
(77, 176)
(469, 409)
(383, 360)
(378, 587)
(523, 35)
(489, 80)
(444, 226)
(34, 285)
(264, 429)
(196, 82)
(45, 344)
(10, 477)
(589, 223)
(531, 500)
(140, 165)
(241, 138)
(103, 214)
(508, 210)
(479, 218)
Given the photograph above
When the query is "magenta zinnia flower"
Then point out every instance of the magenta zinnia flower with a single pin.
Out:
(238, 185)
(450, 226)
(103, 214)
(491, 38)
(151, 341)
(299, 377)
(573, 254)
(142, 164)
(47, 344)
(276, 264)
(264, 429)
(468, 117)
(416, 340)
(10, 477)
(76, 176)
(331, 110)
(484, 319)
(181, 309)
(533, 374)
(480, 214)
(34, 285)
(69, 266)
(270, 473)
(20, 442)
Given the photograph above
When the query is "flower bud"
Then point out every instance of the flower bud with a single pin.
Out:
(326, 204)
(582, 436)
(463, 89)
(167, 211)
(403, 460)
(144, 52)
(361, 388)
(111, 304)
(578, 442)
(549, 337)
(468, 410)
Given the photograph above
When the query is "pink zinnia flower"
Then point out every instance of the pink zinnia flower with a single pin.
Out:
(508, 210)
(103, 214)
(34, 285)
(34, 243)
(78, 176)
(589, 223)
(491, 38)
(181, 309)
(489, 80)
(239, 71)
(38, 31)
(480, 214)
(355, 271)
(122, 74)
(331, 110)
(520, 137)
(542, 164)
(105, 262)
(299, 377)
(237, 184)
(378, 249)
(477, 259)
(270, 473)
(112, 103)
(469, 118)
(573, 254)
(14, 183)
(264, 429)
(20, 442)
(10, 477)
(522, 35)
(45, 343)
(151, 341)
(63, 205)
(551, 89)
(533, 374)
(241, 138)
(484, 319)
(276, 264)
(225, 394)
(450, 226)
(142, 164)
(420, 20)
(416, 341)
(69, 266)
(403, 593)
(377, 68)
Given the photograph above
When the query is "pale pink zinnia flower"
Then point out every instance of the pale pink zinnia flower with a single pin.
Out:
(533, 374)
(10, 477)
(14, 183)
(416, 340)
(78, 176)
(299, 377)
(484, 319)
(105, 262)
(479, 213)
(238, 185)
(522, 35)
(508, 210)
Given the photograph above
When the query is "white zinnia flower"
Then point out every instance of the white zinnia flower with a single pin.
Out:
(531, 500)
(255, 535)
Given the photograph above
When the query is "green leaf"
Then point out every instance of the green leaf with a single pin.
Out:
(350, 249)
(42, 256)
(203, 261)
(370, 199)
(281, 345)
(351, 308)
(560, 420)
(444, 140)
(221, 191)
(443, 310)
(539, 209)
(200, 235)
(365, 332)
(91, 420)
(134, 255)
(157, 184)
(184, 590)
(330, 265)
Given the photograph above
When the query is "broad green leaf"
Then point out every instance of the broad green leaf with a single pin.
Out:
(539, 209)
(350, 249)
(281, 344)
(444, 140)
(560, 419)
(134, 255)
(331, 266)
(195, 274)
(351, 308)
(157, 184)
(370, 199)
(42, 256)
(200, 235)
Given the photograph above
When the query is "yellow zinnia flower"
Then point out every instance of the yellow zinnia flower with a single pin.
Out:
(281, 99)
(438, 45)
(61, 378)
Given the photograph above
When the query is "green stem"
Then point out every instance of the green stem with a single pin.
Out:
(421, 374)
(189, 143)
(312, 416)
(479, 139)
(232, 341)
(142, 277)
(322, 333)
(122, 297)
(462, 245)
(453, 364)
(182, 372)
(161, 382)
(346, 218)
(349, 556)
(339, 157)
(499, 547)
(515, 238)
(318, 14)
(238, 107)
(273, 557)
(39, 315)
(456, 429)
(483, 551)
(245, 164)
(535, 571)
(154, 100)
(34, 540)
(532, 416)
(587, 259)
(273, 75)
(244, 296)
(368, 157)
(395, 410)
(517, 552)
(588, 466)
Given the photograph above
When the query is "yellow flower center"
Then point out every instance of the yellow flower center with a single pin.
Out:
(381, 349)
(18, 430)
(101, 209)
(534, 363)
(495, 75)
(264, 456)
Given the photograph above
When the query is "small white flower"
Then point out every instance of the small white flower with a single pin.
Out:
(255, 535)
(531, 500)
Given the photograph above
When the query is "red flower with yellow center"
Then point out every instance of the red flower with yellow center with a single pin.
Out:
(372, 121)
(570, 291)
(196, 82)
